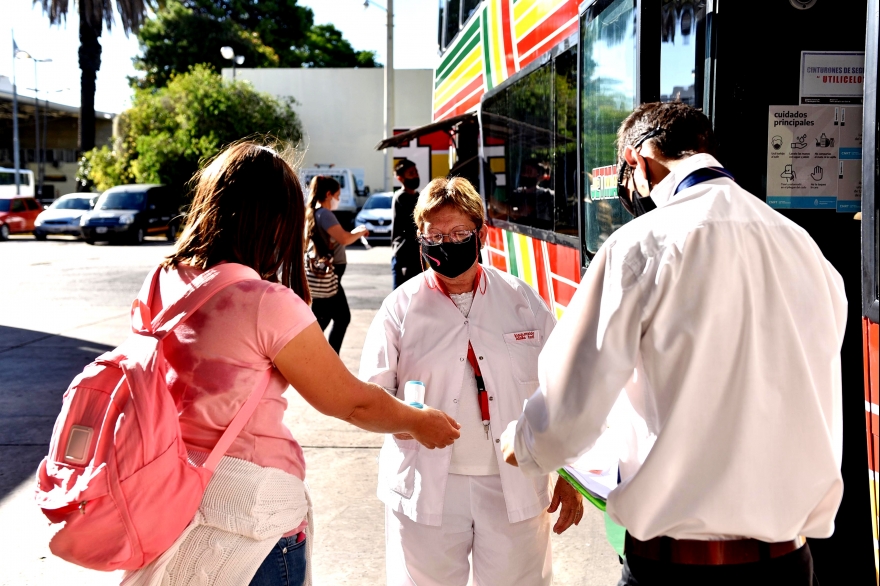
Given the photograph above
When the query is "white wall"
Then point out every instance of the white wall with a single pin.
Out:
(341, 110)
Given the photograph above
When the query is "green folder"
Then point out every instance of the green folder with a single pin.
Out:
(614, 533)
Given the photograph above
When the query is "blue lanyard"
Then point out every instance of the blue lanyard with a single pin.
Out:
(701, 175)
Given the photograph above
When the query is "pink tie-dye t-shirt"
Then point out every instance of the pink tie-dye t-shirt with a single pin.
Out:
(219, 355)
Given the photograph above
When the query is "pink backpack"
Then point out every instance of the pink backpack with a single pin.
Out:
(117, 470)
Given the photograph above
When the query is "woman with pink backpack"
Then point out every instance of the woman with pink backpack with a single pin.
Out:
(232, 329)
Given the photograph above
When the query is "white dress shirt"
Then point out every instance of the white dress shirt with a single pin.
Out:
(723, 322)
(420, 334)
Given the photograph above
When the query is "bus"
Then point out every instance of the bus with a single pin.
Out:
(533, 91)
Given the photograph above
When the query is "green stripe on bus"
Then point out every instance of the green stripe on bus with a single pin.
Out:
(487, 56)
(469, 40)
(511, 254)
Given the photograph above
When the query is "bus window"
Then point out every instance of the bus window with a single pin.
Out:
(530, 149)
(679, 45)
(468, 8)
(453, 13)
(608, 95)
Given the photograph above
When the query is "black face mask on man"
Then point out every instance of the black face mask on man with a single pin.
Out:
(637, 205)
(411, 183)
(451, 259)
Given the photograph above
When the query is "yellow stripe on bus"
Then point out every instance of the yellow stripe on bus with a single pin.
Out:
(454, 81)
(533, 18)
(523, 6)
(466, 77)
(525, 258)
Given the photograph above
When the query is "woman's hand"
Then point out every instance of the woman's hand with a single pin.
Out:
(572, 505)
(434, 429)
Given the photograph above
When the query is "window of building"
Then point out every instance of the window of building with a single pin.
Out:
(608, 95)
(530, 148)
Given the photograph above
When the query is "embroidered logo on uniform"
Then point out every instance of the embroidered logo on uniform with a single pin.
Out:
(520, 336)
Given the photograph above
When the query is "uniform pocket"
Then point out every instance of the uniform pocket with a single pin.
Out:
(397, 465)
(523, 349)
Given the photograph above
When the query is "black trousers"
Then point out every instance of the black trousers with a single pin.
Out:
(334, 309)
(793, 569)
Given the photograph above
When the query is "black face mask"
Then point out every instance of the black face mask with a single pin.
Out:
(639, 205)
(451, 259)
(411, 184)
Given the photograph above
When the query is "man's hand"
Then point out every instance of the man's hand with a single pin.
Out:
(572, 506)
(435, 429)
(507, 443)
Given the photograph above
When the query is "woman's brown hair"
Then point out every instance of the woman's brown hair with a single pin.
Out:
(248, 209)
(319, 189)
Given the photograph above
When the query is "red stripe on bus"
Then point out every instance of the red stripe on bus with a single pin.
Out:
(541, 271)
(463, 107)
(496, 238)
(564, 261)
(508, 38)
(498, 261)
(476, 84)
(562, 292)
(546, 31)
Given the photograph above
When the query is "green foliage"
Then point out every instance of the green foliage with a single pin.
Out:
(267, 33)
(178, 39)
(168, 131)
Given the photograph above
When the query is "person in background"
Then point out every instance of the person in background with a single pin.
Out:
(472, 335)
(248, 209)
(405, 260)
(723, 322)
(321, 223)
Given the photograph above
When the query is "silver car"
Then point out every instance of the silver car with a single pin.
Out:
(62, 217)
(376, 216)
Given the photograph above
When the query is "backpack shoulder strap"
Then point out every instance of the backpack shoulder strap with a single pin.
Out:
(202, 288)
(238, 422)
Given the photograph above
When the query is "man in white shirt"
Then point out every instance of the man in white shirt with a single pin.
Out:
(723, 322)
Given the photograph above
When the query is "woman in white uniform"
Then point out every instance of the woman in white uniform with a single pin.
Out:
(472, 335)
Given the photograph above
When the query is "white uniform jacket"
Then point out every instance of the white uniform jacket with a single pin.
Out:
(420, 334)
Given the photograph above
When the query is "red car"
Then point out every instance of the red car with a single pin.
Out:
(17, 214)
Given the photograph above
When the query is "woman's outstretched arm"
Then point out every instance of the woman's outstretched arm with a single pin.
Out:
(312, 367)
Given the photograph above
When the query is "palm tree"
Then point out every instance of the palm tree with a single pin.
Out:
(93, 15)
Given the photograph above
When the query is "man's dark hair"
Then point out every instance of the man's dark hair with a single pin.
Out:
(678, 130)
(401, 166)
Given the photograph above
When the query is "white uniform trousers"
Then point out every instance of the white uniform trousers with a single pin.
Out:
(474, 522)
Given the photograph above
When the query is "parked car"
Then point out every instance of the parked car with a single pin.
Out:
(17, 214)
(62, 217)
(376, 216)
(131, 212)
(25, 183)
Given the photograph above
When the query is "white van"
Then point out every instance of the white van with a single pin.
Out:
(7, 182)
(352, 194)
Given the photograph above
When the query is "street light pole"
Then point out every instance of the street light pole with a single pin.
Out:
(229, 53)
(19, 54)
(389, 86)
(389, 92)
(16, 155)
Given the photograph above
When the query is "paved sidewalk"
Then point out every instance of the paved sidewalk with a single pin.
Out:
(80, 297)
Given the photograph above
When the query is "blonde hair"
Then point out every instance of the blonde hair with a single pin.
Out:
(456, 193)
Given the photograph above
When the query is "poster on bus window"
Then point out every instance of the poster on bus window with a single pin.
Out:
(832, 77)
(814, 157)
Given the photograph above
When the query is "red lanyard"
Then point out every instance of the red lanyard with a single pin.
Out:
(482, 395)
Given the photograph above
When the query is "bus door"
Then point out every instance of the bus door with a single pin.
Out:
(870, 269)
(783, 88)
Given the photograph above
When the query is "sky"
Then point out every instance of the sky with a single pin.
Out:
(59, 79)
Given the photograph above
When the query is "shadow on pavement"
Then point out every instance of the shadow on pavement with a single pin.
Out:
(35, 370)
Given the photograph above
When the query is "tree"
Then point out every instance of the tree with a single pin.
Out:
(269, 33)
(179, 38)
(93, 15)
(169, 130)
